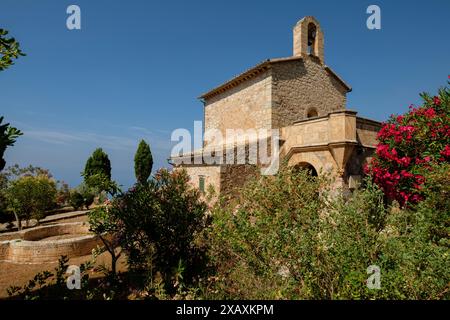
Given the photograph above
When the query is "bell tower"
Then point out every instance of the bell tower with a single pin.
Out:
(308, 38)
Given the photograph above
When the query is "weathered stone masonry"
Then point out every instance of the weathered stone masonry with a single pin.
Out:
(305, 100)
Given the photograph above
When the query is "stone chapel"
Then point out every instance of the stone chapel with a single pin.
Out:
(301, 97)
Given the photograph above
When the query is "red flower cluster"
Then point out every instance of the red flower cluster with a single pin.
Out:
(408, 146)
(399, 184)
(446, 152)
(397, 132)
(391, 155)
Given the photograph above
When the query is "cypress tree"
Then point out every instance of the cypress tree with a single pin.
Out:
(143, 162)
(98, 164)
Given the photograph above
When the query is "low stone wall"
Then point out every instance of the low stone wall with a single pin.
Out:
(27, 246)
(4, 247)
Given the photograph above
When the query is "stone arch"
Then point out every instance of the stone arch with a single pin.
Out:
(308, 38)
(321, 160)
(307, 166)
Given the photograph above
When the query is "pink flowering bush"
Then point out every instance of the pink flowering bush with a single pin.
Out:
(410, 145)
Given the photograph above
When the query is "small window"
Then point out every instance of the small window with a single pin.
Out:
(201, 184)
(312, 113)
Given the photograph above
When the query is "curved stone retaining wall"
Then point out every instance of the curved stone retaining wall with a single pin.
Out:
(30, 246)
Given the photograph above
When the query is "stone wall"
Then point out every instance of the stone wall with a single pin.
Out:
(312, 132)
(212, 175)
(301, 84)
(234, 178)
(246, 106)
(29, 246)
(366, 131)
(37, 252)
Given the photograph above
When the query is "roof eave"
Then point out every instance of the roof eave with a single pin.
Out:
(259, 68)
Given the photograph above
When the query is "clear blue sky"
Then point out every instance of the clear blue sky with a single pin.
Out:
(135, 68)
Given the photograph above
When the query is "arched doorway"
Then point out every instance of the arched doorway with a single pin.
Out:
(308, 167)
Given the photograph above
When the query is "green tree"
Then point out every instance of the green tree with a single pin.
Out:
(76, 200)
(97, 171)
(13, 173)
(143, 162)
(88, 194)
(63, 195)
(30, 197)
(106, 225)
(158, 225)
(8, 136)
(9, 50)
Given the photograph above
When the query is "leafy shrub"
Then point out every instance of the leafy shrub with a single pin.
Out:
(88, 200)
(3, 204)
(158, 225)
(63, 194)
(48, 285)
(106, 225)
(10, 50)
(31, 196)
(408, 146)
(8, 176)
(285, 238)
(76, 200)
(262, 242)
(8, 134)
(88, 194)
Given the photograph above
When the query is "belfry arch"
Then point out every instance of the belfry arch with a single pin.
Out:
(308, 38)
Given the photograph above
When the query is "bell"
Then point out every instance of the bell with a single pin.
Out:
(311, 37)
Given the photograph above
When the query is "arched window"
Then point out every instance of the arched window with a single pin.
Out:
(312, 112)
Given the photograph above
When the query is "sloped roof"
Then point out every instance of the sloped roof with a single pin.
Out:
(258, 69)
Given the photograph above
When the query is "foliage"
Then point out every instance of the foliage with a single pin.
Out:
(8, 134)
(53, 286)
(87, 193)
(3, 204)
(106, 226)
(30, 196)
(9, 50)
(261, 241)
(11, 174)
(97, 171)
(285, 238)
(88, 200)
(14, 172)
(159, 223)
(143, 162)
(76, 200)
(408, 146)
(63, 194)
